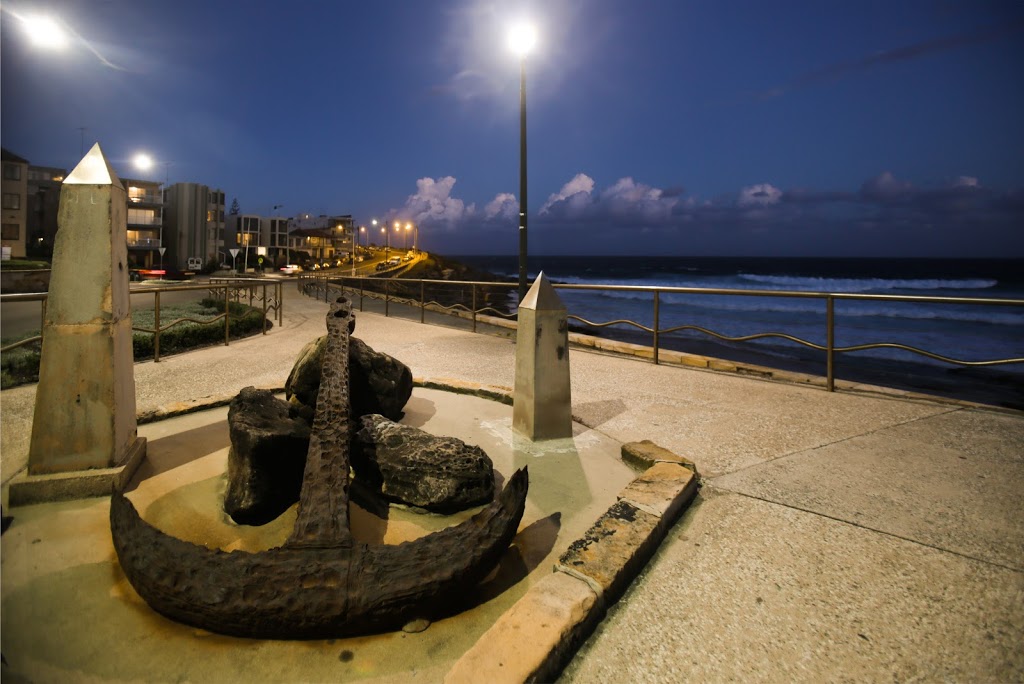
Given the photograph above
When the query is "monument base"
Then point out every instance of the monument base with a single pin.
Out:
(28, 489)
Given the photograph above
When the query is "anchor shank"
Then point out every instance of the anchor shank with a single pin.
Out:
(322, 519)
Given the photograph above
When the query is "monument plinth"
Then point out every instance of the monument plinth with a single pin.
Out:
(85, 402)
(542, 402)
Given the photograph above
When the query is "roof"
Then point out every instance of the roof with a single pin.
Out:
(8, 156)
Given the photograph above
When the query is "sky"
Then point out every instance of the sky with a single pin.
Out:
(714, 128)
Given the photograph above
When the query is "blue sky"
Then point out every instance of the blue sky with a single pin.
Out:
(654, 127)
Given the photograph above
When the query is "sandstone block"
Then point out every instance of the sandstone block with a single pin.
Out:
(614, 550)
(646, 453)
(662, 490)
(534, 638)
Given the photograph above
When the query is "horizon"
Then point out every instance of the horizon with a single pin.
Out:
(788, 130)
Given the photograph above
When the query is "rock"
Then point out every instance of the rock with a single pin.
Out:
(410, 466)
(378, 382)
(267, 457)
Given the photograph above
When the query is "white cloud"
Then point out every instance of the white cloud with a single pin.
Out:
(503, 206)
(433, 203)
(966, 182)
(630, 199)
(760, 195)
(577, 192)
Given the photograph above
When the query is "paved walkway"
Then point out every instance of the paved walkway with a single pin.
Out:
(837, 536)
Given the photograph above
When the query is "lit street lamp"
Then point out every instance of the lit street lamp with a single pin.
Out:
(521, 39)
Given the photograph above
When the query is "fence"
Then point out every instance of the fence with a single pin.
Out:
(473, 298)
(268, 293)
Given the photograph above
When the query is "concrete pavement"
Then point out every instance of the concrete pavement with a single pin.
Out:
(837, 535)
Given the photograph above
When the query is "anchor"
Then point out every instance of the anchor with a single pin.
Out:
(321, 583)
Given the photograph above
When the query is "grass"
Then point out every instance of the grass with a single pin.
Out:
(21, 365)
(24, 265)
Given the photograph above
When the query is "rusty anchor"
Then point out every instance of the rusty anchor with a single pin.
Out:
(320, 583)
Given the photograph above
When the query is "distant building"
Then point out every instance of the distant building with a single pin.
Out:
(15, 204)
(194, 225)
(44, 200)
(338, 231)
(145, 222)
(244, 232)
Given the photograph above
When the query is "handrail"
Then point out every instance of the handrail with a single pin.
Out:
(829, 298)
(270, 303)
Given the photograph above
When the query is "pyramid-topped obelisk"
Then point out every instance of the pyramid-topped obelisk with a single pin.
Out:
(85, 402)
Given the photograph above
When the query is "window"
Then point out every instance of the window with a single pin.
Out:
(12, 200)
(136, 194)
(145, 217)
(11, 231)
(12, 172)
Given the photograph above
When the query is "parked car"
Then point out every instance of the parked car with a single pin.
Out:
(291, 269)
(382, 266)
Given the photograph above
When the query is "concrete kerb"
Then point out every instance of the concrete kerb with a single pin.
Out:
(559, 612)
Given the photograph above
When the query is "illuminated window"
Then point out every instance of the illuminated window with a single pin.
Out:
(146, 217)
(136, 194)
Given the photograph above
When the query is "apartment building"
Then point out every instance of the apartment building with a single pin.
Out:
(194, 226)
(44, 184)
(145, 222)
(15, 203)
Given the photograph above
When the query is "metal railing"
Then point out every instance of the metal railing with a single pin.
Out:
(227, 290)
(467, 303)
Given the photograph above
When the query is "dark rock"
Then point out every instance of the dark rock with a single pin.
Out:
(408, 465)
(267, 457)
(378, 382)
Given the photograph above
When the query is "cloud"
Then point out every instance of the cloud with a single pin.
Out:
(576, 192)
(503, 206)
(885, 215)
(433, 204)
(760, 195)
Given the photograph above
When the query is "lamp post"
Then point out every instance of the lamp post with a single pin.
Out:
(522, 38)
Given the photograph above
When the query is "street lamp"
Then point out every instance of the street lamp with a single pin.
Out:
(521, 39)
(44, 32)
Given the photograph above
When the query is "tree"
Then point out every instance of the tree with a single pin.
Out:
(234, 207)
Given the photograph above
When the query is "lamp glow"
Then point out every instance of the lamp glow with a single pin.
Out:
(45, 32)
(143, 162)
(522, 38)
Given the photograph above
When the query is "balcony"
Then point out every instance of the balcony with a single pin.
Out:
(146, 198)
(144, 242)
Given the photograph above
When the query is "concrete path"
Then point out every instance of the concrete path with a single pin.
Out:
(837, 536)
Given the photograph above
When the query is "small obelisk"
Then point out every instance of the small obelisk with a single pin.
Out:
(85, 402)
(542, 402)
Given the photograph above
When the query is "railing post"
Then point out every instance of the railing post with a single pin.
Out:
(279, 294)
(657, 323)
(156, 328)
(423, 300)
(264, 308)
(227, 314)
(474, 307)
(387, 292)
(830, 343)
(361, 295)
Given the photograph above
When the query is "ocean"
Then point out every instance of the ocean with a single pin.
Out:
(960, 331)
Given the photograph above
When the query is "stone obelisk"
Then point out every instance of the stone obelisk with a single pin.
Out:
(542, 402)
(85, 402)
